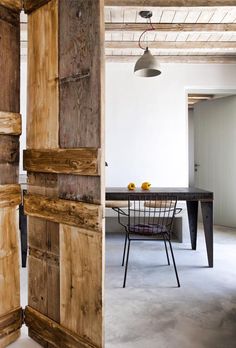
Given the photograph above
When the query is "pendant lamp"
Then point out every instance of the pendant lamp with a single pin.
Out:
(147, 65)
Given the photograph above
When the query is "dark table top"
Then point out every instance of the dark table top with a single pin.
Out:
(181, 193)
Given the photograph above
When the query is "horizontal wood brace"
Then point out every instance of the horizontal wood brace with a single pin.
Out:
(44, 255)
(15, 5)
(75, 77)
(81, 161)
(32, 5)
(52, 332)
(82, 215)
(10, 123)
(11, 322)
(10, 195)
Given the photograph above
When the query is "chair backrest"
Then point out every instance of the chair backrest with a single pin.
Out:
(150, 215)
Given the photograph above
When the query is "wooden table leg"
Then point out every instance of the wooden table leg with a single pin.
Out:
(207, 218)
(192, 208)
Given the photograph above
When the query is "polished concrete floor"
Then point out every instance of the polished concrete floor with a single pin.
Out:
(151, 312)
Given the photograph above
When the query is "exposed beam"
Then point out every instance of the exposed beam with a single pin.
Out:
(173, 44)
(166, 27)
(216, 59)
(200, 96)
(169, 3)
(172, 27)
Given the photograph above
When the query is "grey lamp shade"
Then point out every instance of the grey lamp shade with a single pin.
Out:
(147, 65)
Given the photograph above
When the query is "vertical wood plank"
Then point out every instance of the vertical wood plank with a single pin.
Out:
(80, 101)
(42, 133)
(42, 109)
(9, 162)
(81, 125)
(9, 261)
(44, 250)
(81, 286)
(10, 60)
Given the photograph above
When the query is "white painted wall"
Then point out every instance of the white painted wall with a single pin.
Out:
(23, 102)
(147, 120)
(215, 151)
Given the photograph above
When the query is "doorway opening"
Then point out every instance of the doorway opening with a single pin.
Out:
(212, 121)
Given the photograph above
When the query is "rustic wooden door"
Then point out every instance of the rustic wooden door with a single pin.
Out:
(10, 197)
(65, 164)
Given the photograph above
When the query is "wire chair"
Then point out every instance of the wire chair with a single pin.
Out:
(148, 218)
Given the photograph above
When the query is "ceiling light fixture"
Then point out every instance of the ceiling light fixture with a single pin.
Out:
(147, 65)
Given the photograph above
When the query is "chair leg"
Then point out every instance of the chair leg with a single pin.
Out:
(126, 265)
(167, 255)
(123, 260)
(173, 258)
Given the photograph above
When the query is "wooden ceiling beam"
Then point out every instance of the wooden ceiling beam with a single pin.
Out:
(196, 27)
(169, 3)
(216, 59)
(173, 44)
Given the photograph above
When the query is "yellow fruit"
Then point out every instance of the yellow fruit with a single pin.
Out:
(146, 185)
(131, 186)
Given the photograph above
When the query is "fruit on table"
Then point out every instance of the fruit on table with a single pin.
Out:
(146, 185)
(131, 186)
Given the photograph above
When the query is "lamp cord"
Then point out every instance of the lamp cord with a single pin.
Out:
(143, 33)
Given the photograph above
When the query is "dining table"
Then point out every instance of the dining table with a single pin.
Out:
(191, 195)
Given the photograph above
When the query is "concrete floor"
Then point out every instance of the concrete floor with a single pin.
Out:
(152, 312)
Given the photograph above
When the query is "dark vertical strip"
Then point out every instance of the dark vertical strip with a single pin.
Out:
(192, 207)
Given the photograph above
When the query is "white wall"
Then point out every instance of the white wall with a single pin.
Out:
(147, 120)
(23, 101)
(215, 151)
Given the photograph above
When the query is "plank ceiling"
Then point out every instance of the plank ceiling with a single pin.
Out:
(182, 34)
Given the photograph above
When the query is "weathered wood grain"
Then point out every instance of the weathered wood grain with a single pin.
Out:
(173, 45)
(52, 332)
(10, 60)
(77, 214)
(9, 149)
(81, 264)
(9, 159)
(5, 341)
(175, 27)
(11, 322)
(9, 261)
(15, 5)
(10, 195)
(80, 188)
(44, 250)
(32, 5)
(82, 161)
(42, 133)
(10, 123)
(9, 16)
(80, 101)
(169, 3)
(43, 97)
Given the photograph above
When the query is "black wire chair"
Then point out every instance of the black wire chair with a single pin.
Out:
(148, 219)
